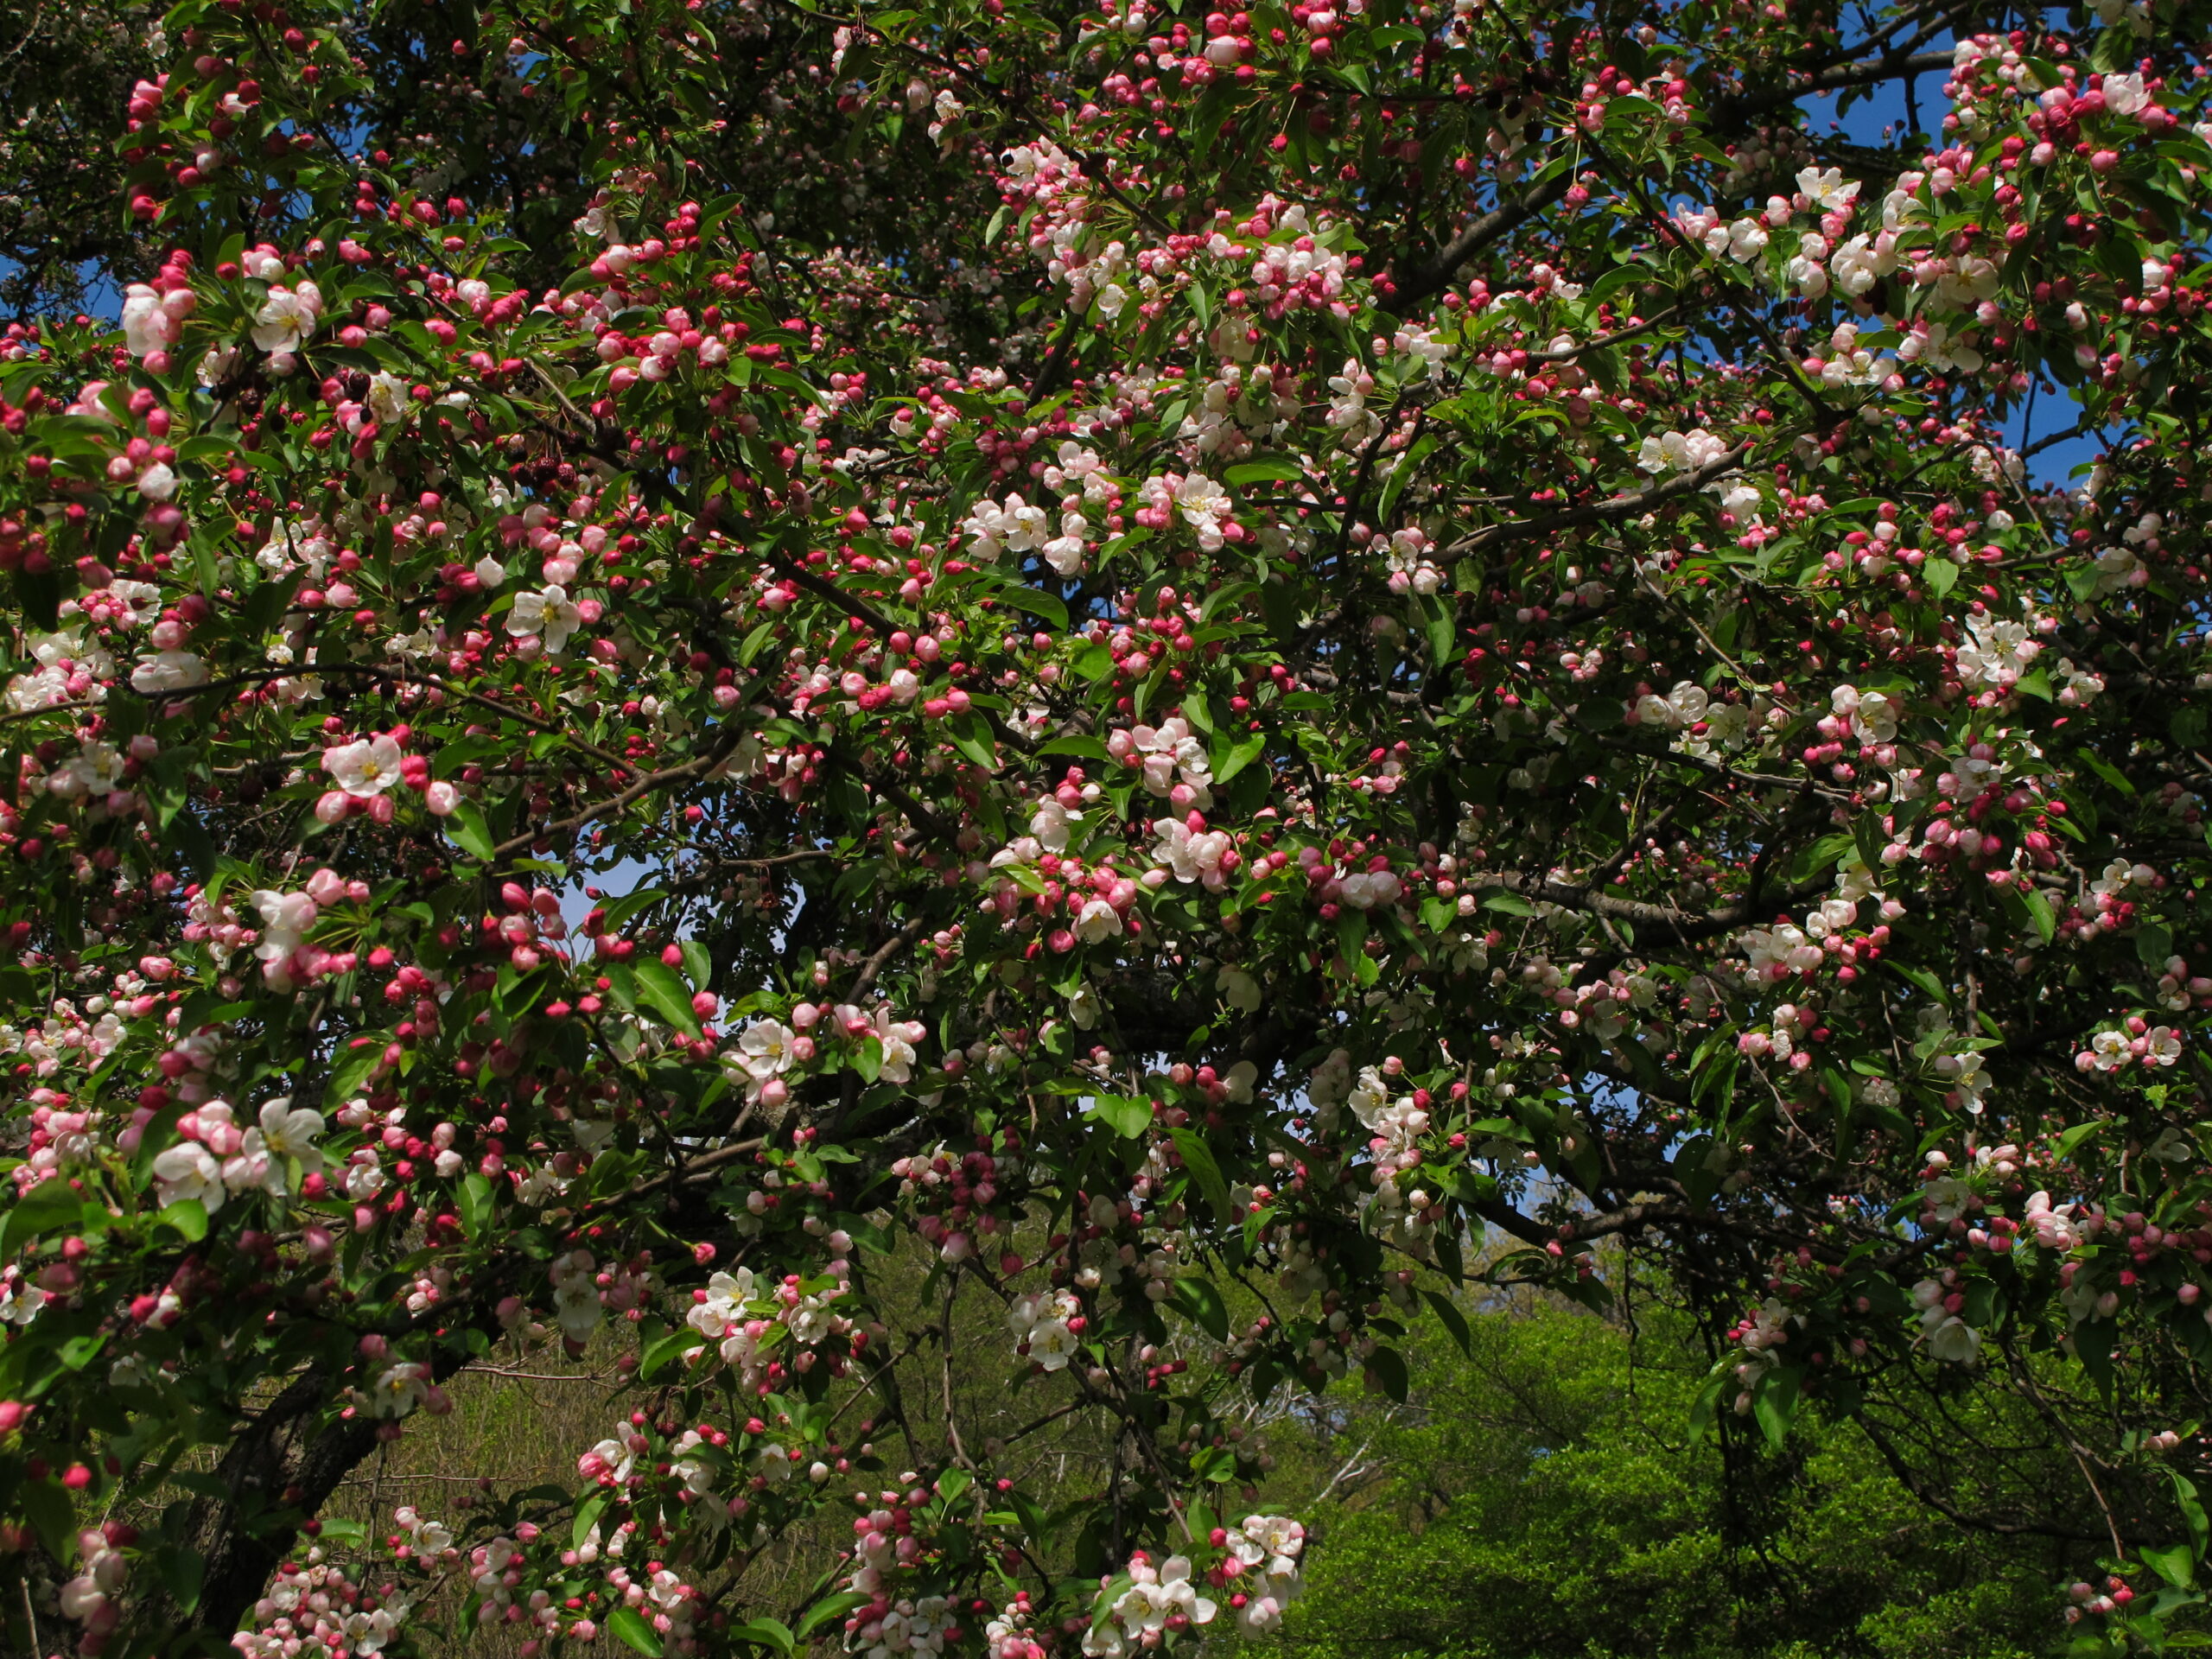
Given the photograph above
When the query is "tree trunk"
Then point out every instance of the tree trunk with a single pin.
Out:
(281, 1464)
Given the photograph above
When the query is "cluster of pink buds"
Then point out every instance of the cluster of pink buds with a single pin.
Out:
(146, 99)
(154, 312)
(62, 1135)
(968, 1186)
(1011, 1632)
(497, 1570)
(317, 1609)
(2089, 1598)
(532, 921)
(90, 1597)
(884, 1548)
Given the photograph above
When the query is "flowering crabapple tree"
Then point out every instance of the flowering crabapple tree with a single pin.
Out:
(1230, 668)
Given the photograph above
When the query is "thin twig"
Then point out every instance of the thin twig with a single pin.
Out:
(1598, 513)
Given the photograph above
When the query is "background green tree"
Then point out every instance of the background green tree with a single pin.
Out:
(1542, 1494)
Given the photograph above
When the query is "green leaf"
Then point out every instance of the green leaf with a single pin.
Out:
(1201, 302)
(183, 1572)
(1087, 749)
(1197, 1157)
(1471, 1187)
(1045, 605)
(466, 828)
(39, 597)
(763, 1633)
(54, 1518)
(587, 1514)
(1453, 1320)
(1442, 626)
(1598, 715)
(475, 1203)
(1386, 1366)
(1827, 850)
(1919, 976)
(871, 1237)
(1239, 755)
(667, 1348)
(2039, 913)
(663, 992)
(631, 1626)
(189, 1216)
(51, 1206)
(2075, 1136)
(1128, 1115)
(2173, 1562)
(620, 910)
(192, 841)
(1941, 575)
(1866, 835)
(1774, 1402)
(1718, 1081)
(352, 1066)
(1279, 606)
(698, 963)
(2093, 1340)
(2192, 1509)
(867, 1058)
(82, 1349)
(2105, 770)
(1706, 1407)
(1261, 472)
(822, 1611)
(972, 738)
(1201, 1299)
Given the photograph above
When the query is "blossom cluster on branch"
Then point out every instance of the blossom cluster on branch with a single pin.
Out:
(1221, 675)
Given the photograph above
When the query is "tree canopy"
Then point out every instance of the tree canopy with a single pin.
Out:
(1233, 671)
(1537, 1495)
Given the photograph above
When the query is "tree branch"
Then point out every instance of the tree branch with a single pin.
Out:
(1600, 512)
(1500, 222)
